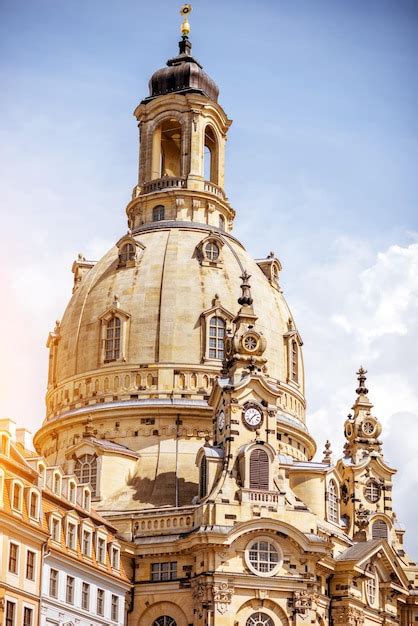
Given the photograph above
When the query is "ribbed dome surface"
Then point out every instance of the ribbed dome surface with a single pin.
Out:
(165, 296)
(182, 74)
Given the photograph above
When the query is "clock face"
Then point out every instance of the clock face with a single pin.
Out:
(221, 420)
(368, 427)
(252, 417)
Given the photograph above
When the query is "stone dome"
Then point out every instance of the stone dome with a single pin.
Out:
(165, 298)
(183, 74)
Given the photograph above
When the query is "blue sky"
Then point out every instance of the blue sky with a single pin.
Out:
(321, 168)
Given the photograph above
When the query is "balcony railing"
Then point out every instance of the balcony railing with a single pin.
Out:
(212, 188)
(260, 496)
(167, 182)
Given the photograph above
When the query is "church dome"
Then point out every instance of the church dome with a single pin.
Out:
(165, 298)
(183, 74)
(148, 329)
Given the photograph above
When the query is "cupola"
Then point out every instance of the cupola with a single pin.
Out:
(182, 147)
(183, 74)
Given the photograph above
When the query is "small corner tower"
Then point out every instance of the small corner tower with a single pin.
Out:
(366, 488)
(362, 429)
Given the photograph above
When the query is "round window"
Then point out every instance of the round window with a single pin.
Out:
(164, 620)
(368, 427)
(212, 251)
(372, 490)
(263, 556)
(259, 619)
(250, 343)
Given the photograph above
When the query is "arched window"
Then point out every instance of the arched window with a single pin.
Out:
(216, 337)
(86, 470)
(379, 530)
(372, 490)
(56, 486)
(34, 505)
(71, 492)
(17, 497)
(164, 620)
(203, 477)
(221, 222)
(166, 149)
(294, 361)
(259, 470)
(127, 253)
(259, 619)
(113, 339)
(333, 515)
(212, 251)
(210, 164)
(158, 213)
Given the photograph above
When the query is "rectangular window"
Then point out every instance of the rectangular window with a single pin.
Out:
(53, 583)
(86, 547)
(71, 535)
(30, 565)
(101, 550)
(10, 613)
(55, 529)
(13, 558)
(17, 496)
(115, 608)
(163, 571)
(27, 616)
(100, 601)
(85, 597)
(33, 506)
(115, 558)
(69, 596)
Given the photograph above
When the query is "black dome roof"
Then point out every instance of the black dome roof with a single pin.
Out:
(183, 74)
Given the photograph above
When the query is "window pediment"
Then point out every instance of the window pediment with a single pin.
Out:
(129, 251)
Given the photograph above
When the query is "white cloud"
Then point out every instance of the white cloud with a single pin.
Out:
(351, 314)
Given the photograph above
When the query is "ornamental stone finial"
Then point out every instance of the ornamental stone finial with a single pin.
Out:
(246, 298)
(361, 377)
(327, 452)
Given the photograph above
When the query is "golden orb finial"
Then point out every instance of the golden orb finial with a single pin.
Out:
(185, 26)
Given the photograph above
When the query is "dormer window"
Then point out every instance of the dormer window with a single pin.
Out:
(34, 505)
(115, 557)
(17, 497)
(56, 488)
(42, 474)
(295, 361)
(293, 342)
(127, 253)
(333, 508)
(113, 339)
(71, 535)
(130, 251)
(212, 251)
(87, 500)
(209, 251)
(217, 329)
(158, 213)
(86, 471)
(72, 491)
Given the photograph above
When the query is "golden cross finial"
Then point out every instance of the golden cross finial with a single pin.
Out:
(185, 26)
